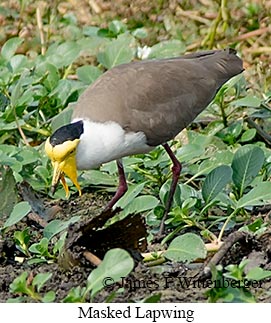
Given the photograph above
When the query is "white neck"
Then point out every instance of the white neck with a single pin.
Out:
(103, 142)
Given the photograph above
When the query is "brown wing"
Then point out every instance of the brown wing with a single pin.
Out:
(158, 97)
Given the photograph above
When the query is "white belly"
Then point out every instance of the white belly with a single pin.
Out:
(103, 142)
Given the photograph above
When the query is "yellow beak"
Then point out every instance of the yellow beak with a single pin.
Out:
(67, 167)
(63, 164)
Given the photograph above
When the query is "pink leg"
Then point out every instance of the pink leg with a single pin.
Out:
(176, 170)
(122, 189)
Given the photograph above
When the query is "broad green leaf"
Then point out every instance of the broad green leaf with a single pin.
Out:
(19, 211)
(246, 164)
(56, 226)
(140, 33)
(248, 101)
(129, 196)
(88, 74)
(248, 135)
(116, 264)
(167, 49)
(189, 151)
(18, 90)
(43, 173)
(64, 54)
(186, 248)
(259, 195)
(11, 125)
(40, 247)
(141, 204)
(40, 279)
(75, 295)
(164, 192)
(155, 298)
(118, 51)
(8, 194)
(49, 297)
(10, 47)
(90, 31)
(28, 155)
(19, 284)
(96, 177)
(63, 118)
(51, 72)
(258, 227)
(117, 27)
(63, 90)
(188, 191)
(215, 181)
(93, 44)
(18, 63)
(230, 294)
(258, 273)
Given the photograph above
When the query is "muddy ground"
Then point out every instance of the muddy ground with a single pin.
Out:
(166, 280)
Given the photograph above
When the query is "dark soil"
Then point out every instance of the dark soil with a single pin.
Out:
(168, 281)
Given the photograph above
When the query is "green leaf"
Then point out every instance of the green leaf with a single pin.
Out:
(248, 135)
(141, 204)
(118, 51)
(49, 297)
(19, 89)
(117, 27)
(140, 33)
(64, 54)
(19, 284)
(246, 164)
(10, 47)
(51, 72)
(248, 101)
(258, 273)
(75, 295)
(88, 74)
(19, 211)
(259, 195)
(43, 173)
(215, 181)
(40, 248)
(186, 248)
(96, 177)
(40, 279)
(167, 48)
(56, 226)
(8, 194)
(189, 151)
(63, 90)
(18, 63)
(164, 192)
(129, 196)
(116, 264)
(63, 118)
(156, 298)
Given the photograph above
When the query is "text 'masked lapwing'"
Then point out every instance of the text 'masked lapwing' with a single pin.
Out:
(135, 107)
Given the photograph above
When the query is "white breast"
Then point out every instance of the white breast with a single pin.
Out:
(103, 142)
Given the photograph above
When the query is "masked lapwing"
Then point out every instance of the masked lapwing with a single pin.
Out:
(132, 108)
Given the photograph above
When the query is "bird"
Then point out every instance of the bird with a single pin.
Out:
(134, 107)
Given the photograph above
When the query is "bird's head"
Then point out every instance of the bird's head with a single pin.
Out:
(61, 149)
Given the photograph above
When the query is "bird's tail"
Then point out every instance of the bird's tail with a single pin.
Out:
(225, 63)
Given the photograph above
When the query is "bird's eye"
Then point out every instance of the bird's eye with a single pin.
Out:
(72, 151)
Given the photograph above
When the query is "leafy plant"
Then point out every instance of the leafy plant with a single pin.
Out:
(186, 248)
(117, 264)
(234, 284)
(30, 287)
